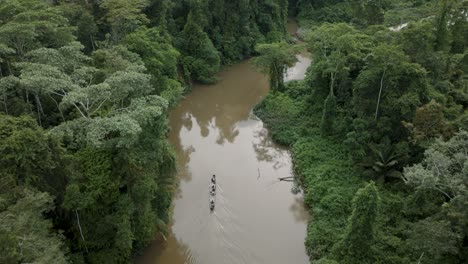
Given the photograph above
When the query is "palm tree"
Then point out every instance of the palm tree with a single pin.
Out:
(382, 162)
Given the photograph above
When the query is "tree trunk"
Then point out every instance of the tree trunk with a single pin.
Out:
(58, 107)
(420, 258)
(5, 104)
(332, 83)
(81, 231)
(380, 93)
(9, 68)
(40, 111)
(92, 42)
(39, 104)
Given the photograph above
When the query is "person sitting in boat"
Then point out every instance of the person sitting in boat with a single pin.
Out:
(213, 189)
(213, 179)
(212, 204)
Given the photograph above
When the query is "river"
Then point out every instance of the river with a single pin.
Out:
(257, 219)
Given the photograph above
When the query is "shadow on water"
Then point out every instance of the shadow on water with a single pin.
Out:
(178, 252)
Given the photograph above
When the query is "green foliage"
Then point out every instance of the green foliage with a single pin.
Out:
(356, 246)
(383, 163)
(94, 181)
(27, 160)
(393, 91)
(330, 182)
(124, 16)
(315, 12)
(102, 163)
(25, 235)
(441, 32)
(234, 27)
(116, 116)
(320, 164)
(421, 32)
(156, 51)
(98, 155)
(428, 122)
(201, 60)
(432, 240)
(401, 85)
(459, 27)
(325, 261)
(86, 27)
(25, 151)
(280, 112)
(329, 112)
(369, 12)
(339, 50)
(30, 24)
(274, 60)
(443, 168)
(98, 165)
(403, 11)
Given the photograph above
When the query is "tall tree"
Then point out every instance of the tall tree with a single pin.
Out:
(357, 244)
(25, 236)
(459, 27)
(26, 154)
(443, 169)
(31, 24)
(155, 48)
(27, 161)
(441, 23)
(200, 60)
(371, 12)
(328, 116)
(124, 16)
(389, 82)
(274, 60)
(338, 50)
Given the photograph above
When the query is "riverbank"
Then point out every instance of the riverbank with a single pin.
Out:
(214, 131)
(321, 164)
(367, 141)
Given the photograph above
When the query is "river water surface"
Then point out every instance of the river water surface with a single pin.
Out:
(257, 219)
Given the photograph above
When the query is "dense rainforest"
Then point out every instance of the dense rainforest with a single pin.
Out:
(378, 129)
(86, 171)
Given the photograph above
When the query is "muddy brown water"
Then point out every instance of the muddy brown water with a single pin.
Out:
(257, 219)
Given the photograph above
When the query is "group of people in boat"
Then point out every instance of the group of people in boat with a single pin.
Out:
(212, 192)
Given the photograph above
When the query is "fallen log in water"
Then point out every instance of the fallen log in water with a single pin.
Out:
(288, 179)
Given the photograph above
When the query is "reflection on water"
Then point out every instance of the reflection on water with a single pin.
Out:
(168, 251)
(268, 151)
(257, 219)
(222, 108)
(298, 209)
(298, 72)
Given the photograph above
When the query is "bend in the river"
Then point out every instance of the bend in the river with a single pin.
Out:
(257, 219)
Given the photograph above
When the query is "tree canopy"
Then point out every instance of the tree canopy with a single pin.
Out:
(86, 171)
(384, 100)
(275, 59)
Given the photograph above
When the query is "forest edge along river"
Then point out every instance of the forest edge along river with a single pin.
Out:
(257, 219)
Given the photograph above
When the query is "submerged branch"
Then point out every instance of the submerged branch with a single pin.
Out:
(287, 179)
